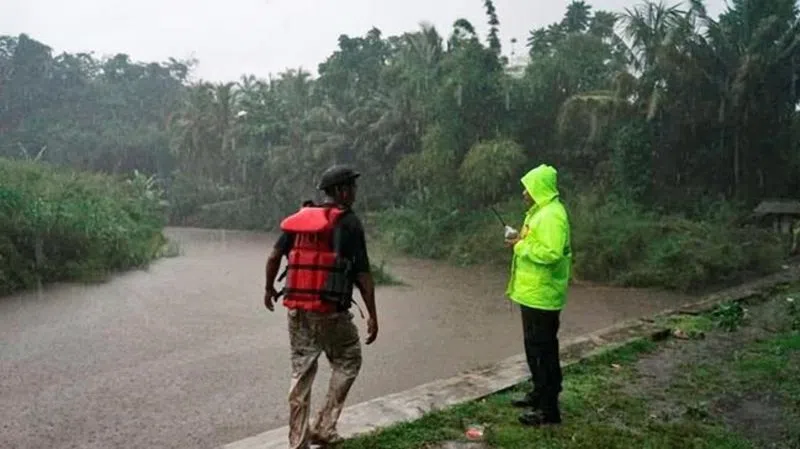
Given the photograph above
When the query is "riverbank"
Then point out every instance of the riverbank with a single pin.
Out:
(726, 380)
(614, 242)
(57, 224)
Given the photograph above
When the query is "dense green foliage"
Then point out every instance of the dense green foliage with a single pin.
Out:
(651, 115)
(615, 241)
(621, 242)
(58, 225)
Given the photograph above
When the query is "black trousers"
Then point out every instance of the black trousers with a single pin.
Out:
(540, 328)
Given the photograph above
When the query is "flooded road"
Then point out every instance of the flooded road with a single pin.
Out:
(184, 355)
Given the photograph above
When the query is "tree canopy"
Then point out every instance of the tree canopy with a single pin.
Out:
(661, 103)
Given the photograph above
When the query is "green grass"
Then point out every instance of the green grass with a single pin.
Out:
(59, 225)
(691, 325)
(608, 402)
(728, 316)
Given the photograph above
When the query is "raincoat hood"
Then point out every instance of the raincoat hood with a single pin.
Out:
(542, 261)
(541, 184)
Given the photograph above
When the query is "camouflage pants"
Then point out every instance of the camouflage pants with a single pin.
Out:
(311, 334)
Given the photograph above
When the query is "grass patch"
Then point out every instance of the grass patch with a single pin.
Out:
(734, 389)
(614, 241)
(59, 225)
(692, 326)
(729, 315)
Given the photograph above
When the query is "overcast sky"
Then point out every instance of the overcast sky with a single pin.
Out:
(233, 37)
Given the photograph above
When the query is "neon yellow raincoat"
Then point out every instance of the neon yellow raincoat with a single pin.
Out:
(542, 260)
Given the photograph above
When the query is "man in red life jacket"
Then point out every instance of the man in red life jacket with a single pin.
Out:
(327, 255)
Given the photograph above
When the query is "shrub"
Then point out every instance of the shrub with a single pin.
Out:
(57, 225)
(491, 169)
(435, 167)
(617, 241)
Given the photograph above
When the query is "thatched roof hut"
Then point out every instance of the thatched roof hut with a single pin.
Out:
(780, 213)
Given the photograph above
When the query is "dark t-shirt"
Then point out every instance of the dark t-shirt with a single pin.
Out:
(354, 244)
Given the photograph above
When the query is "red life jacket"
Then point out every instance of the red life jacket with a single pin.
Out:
(316, 276)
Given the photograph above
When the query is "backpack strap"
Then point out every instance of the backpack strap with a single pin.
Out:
(337, 232)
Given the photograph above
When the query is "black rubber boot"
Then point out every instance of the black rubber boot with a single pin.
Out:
(547, 414)
(537, 418)
(531, 400)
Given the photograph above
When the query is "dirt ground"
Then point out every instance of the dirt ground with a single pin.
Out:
(710, 359)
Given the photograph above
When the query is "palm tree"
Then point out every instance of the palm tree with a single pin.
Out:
(494, 38)
(755, 44)
(577, 17)
(203, 129)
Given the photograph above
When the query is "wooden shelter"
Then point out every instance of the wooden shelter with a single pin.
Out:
(780, 214)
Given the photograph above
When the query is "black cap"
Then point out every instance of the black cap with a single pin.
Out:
(337, 175)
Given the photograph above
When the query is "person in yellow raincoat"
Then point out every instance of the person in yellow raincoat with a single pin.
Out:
(540, 270)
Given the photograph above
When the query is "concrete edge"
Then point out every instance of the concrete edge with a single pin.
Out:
(475, 384)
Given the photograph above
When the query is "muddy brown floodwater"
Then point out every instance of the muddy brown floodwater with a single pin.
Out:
(184, 355)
